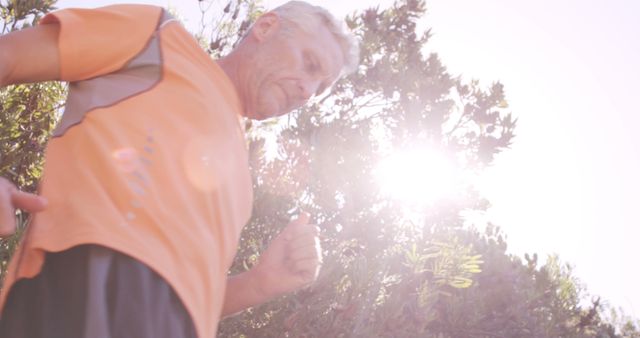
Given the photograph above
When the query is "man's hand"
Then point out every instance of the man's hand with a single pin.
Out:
(11, 199)
(291, 261)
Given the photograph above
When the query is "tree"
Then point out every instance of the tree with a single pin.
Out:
(384, 275)
(27, 116)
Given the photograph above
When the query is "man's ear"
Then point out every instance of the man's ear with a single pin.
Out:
(266, 26)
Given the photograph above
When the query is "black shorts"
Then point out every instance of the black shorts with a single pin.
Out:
(92, 292)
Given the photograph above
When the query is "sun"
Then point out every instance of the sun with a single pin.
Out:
(416, 176)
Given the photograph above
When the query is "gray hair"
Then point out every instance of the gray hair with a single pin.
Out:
(309, 17)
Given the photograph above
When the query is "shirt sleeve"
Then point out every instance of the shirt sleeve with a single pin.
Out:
(94, 42)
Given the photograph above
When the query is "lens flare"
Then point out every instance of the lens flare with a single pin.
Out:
(416, 177)
(126, 159)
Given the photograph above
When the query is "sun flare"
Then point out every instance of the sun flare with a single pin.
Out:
(415, 177)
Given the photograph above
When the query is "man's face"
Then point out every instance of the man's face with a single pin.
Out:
(291, 66)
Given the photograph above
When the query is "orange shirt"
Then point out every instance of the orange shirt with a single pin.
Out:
(149, 158)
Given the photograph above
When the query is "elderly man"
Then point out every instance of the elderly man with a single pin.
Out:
(146, 185)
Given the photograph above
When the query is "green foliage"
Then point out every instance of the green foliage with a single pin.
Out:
(27, 116)
(226, 27)
(515, 298)
(18, 14)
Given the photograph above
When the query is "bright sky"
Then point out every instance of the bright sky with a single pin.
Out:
(570, 184)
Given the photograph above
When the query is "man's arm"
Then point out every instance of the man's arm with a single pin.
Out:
(242, 293)
(30, 55)
(291, 261)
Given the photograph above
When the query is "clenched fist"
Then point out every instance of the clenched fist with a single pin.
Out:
(292, 260)
(11, 199)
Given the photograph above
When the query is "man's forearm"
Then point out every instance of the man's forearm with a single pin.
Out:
(243, 291)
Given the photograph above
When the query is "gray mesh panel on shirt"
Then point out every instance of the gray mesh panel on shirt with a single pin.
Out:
(139, 75)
